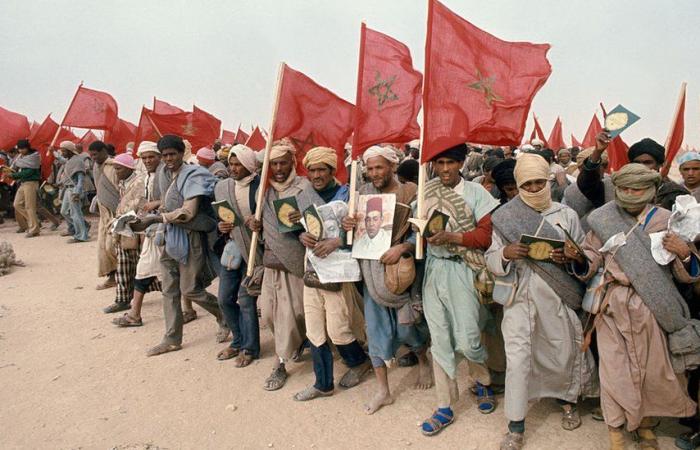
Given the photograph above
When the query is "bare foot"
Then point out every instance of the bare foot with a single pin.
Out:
(425, 377)
(380, 399)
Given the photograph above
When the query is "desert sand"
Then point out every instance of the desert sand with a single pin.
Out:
(69, 379)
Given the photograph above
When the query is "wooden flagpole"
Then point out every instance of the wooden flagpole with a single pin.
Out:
(60, 126)
(420, 203)
(263, 173)
(352, 206)
(667, 164)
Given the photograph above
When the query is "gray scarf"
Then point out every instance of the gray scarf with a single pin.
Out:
(107, 193)
(226, 190)
(28, 161)
(514, 219)
(74, 166)
(652, 282)
(285, 247)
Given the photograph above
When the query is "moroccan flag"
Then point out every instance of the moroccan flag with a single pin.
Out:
(241, 136)
(537, 131)
(213, 123)
(87, 139)
(574, 141)
(91, 109)
(13, 127)
(228, 137)
(556, 140)
(121, 134)
(478, 88)
(617, 154)
(388, 93)
(145, 130)
(594, 128)
(34, 127)
(67, 135)
(311, 115)
(161, 107)
(41, 139)
(196, 128)
(675, 135)
(256, 141)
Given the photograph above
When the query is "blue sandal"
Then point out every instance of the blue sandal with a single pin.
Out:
(440, 419)
(486, 402)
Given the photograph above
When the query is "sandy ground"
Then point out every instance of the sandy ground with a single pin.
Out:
(69, 379)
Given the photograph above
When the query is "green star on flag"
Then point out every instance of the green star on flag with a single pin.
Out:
(485, 84)
(382, 90)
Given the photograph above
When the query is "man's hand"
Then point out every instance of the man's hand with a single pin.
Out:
(393, 255)
(253, 224)
(558, 256)
(571, 254)
(294, 216)
(307, 240)
(515, 251)
(443, 238)
(151, 206)
(674, 244)
(349, 223)
(602, 140)
(326, 247)
(224, 227)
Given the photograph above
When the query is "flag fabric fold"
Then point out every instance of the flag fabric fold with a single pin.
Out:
(388, 93)
(537, 132)
(575, 142)
(675, 136)
(256, 141)
(311, 115)
(13, 127)
(196, 128)
(161, 107)
(556, 138)
(241, 136)
(121, 134)
(91, 109)
(212, 122)
(228, 137)
(478, 88)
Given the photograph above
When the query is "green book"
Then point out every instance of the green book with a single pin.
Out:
(618, 120)
(283, 207)
(314, 223)
(226, 212)
(540, 247)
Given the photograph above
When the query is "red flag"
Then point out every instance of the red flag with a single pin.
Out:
(675, 135)
(88, 139)
(256, 141)
(478, 88)
(311, 115)
(41, 139)
(145, 130)
(161, 107)
(241, 136)
(228, 137)
(196, 128)
(388, 93)
(537, 130)
(13, 127)
(213, 123)
(575, 142)
(594, 128)
(67, 135)
(34, 127)
(556, 140)
(91, 109)
(121, 134)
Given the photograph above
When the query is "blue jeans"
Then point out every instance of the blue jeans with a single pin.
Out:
(240, 311)
(72, 211)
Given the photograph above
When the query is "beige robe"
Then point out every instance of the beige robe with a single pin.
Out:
(636, 377)
(542, 335)
(106, 253)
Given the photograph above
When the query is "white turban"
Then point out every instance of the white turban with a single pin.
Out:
(147, 147)
(68, 145)
(246, 156)
(387, 153)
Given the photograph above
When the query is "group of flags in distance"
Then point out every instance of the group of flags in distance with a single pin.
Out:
(476, 88)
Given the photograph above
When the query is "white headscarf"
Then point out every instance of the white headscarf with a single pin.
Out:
(246, 156)
(147, 147)
(387, 153)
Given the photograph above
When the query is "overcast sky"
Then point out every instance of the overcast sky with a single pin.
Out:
(223, 55)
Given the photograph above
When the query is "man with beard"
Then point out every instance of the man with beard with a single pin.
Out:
(392, 319)
(281, 298)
